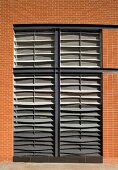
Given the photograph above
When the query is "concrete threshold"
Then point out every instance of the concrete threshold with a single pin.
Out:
(57, 166)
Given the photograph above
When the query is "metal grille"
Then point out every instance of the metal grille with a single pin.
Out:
(57, 108)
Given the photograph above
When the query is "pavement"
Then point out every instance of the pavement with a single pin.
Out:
(57, 166)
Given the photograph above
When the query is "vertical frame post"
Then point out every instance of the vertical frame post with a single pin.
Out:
(57, 93)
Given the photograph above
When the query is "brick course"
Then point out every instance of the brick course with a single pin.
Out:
(63, 12)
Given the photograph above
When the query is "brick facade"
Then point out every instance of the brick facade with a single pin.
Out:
(63, 12)
(110, 117)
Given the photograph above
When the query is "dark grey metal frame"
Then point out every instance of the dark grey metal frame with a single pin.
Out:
(57, 93)
(63, 26)
(56, 71)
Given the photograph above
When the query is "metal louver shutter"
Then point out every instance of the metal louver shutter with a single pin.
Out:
(34, 115)
(57, 94)
(80, 122)
(80, 49)
(34, 49)
(80, 115)
(34, 95)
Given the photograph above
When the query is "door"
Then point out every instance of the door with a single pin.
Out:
(57, 98)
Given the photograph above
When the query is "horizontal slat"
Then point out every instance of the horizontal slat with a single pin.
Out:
(80, 144)
(23, 124)
(68, 59)
(17, 154)
(79, 91)
(41, 121)
(25, 143)
(80, 103)
(45, 91)
(36, 109)
(32, 33)
(33, 103)
(36, 130)
(79, 134)
(80, 77)
(33, 61)
(79, 66)
(79, 31)
(43, 40)
(17, 115)
(93, 129)
(28, 54)
(77, 52)
(36, 84)
(32, 77)
(36, 135)
(82, 84)
(79, 147)
(63, 39)
(32, 148)
(80, 109)
(28, 97)
(76, 140)
(82, 97)
(34, 47)
(77, 120)
(33, 151)
(73, 46)
(71, 126)
(79, 114)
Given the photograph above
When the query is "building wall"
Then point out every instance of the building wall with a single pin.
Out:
(59, 12)
(110, 96)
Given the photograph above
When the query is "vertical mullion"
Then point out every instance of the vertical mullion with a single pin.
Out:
(57, 93)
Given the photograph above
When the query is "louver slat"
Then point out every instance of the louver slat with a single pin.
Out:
(80, 116)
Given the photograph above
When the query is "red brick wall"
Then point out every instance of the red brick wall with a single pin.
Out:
(110, 117)
(110, 48)
(110, 96)
(59, 11)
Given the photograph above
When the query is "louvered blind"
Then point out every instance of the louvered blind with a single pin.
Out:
(34, 49)
(33, 115)
(34, 94)
(80, 115)
(57, 107)
(80, 49)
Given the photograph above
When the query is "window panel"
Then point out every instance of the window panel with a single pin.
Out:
(57, 113)
(80, 49)
(34, 49)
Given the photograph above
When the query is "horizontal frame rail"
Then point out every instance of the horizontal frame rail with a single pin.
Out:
(62, 70)
(19, 27)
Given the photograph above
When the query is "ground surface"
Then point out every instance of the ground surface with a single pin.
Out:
(57, 166)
